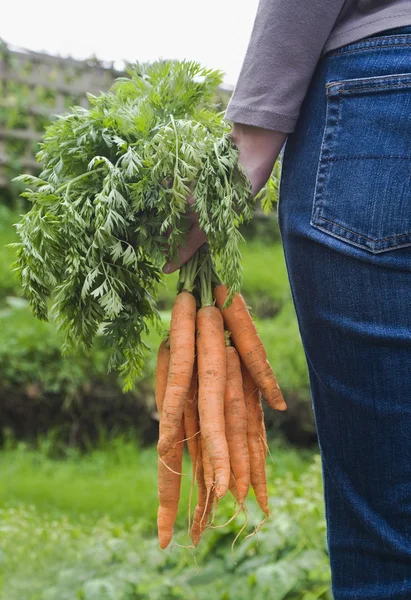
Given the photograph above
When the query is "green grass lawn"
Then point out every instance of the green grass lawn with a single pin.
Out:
(119, 481)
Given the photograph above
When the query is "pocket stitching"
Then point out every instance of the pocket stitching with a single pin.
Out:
(356, 84)
(374, 241)
(376, 88)
(324, 161)
(357, 244)
(368, 157)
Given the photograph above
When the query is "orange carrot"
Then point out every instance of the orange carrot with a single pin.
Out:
(191, 433)
(163, 361)
(191, 421)
(256, 440)
(168, 482)
(205, 497)
(208, 471)
(234, 490)
(235, 416)
(182, 340)
(211, 359)
(244, 334)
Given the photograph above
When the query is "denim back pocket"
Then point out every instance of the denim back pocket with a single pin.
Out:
(363, 188)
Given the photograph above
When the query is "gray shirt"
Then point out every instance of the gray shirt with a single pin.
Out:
(288, 39)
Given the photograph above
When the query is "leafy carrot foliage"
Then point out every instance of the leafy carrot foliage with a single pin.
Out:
(115, 180)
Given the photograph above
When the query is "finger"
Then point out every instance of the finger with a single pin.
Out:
(196, 238)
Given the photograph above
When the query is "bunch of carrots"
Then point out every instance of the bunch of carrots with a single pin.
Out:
(212, 370)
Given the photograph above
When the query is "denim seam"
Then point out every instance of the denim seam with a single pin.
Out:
(346, 90)
(386, 41)
(325, 155)
(377, 80)
(361, 235)
(367, 48)
(357, 244)
(373, 40)
(368, 157)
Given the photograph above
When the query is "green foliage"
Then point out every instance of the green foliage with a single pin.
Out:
(8, 279)
(26, 345)
(110, 552)
(281, 338)
(268, 196)
(265, 286)
(115, 179)
(74, 397)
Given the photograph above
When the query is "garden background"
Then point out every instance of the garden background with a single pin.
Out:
(78, 494)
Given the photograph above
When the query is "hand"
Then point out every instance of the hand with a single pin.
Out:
(196, 238)
(258, 150)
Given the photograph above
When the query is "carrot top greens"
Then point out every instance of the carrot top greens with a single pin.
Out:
(115, 179)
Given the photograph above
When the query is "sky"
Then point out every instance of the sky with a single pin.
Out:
(213, 32)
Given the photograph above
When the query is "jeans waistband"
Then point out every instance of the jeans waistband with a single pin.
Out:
(397, 31)
(399, 36)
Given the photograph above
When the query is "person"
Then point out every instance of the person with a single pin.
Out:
(333, 78)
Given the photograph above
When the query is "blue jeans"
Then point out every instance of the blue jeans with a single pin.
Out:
(345, 221)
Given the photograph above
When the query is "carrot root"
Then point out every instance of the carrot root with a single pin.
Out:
(235, 415)
(211, 361)
(249, 346)
(182, 340)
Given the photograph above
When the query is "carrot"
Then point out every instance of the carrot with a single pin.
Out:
(182, 340)
(207, 466)
(191, 421)
(163, 361)
(236, 425)
(168, 482)
(244, 334)
(205, 498)
(257, 444)
(211, 358)
(234, 490)
(191, 433)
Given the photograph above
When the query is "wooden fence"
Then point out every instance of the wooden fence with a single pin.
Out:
(34, 87)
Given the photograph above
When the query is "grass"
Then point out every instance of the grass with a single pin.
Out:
(121, 476)
(98, 484)
(83, 529)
